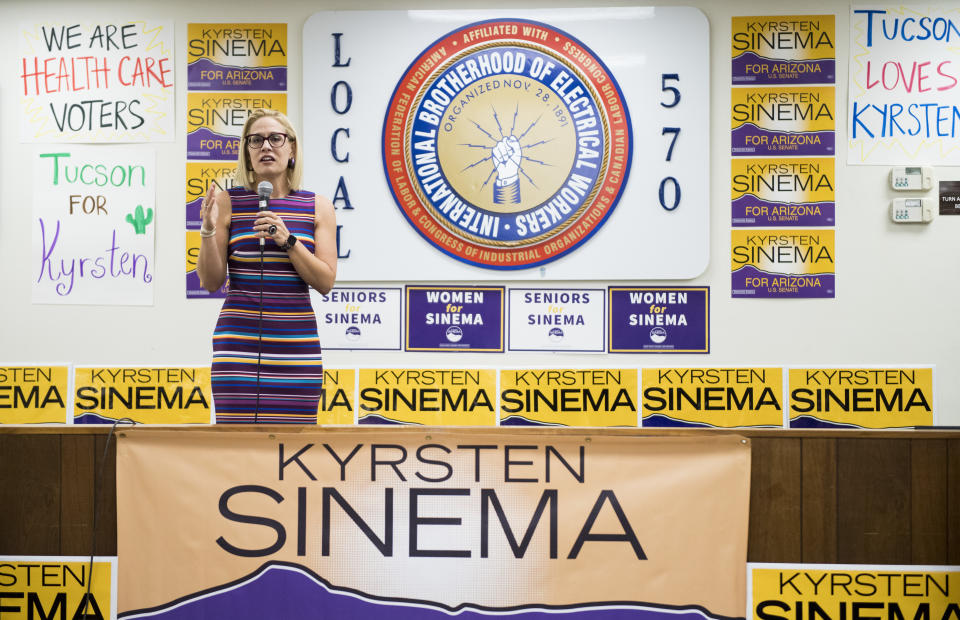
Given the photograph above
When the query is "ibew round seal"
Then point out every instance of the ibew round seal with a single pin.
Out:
(507, 143)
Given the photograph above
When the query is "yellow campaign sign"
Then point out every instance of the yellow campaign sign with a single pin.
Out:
(713, 397)
(201, 174)
(838, 591)
(56, 587)
(193, 249)
(34, 394)
(569, 397)
(338, 397)
(785, 37)
(225, 113)
(790, 109)
(441, 397)
(787, 181)
(145, 394)
(215, 121)
(871, 398)
(237, 45)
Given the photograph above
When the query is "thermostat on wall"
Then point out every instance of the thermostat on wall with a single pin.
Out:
(911, 178)
(911, 210)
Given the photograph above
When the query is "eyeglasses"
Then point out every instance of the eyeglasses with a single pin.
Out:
(276, 140)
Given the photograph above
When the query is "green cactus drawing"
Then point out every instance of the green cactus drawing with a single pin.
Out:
(139, 222)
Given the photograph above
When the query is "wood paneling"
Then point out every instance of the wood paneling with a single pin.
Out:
(928, 501)
(816, 497)
(819, 501)
(76, 495)
(30, 495)
(953, 501)
(775, 513)
(873, 507)
(107, 506)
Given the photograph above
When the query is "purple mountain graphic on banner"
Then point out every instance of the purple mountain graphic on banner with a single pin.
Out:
(290, 591)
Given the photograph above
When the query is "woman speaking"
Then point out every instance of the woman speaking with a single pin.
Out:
(267, 364)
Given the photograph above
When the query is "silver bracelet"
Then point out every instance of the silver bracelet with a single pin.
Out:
(208, 233)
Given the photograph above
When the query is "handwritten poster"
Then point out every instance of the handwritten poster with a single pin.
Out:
(96, 81)
(94, 217)
(904, 72)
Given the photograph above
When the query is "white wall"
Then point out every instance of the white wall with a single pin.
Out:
(897, 286)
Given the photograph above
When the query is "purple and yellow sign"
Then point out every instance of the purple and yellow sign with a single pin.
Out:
(777, 263)
(215, 121)
(796, 191)
(784, 49)
(431, 524)
(455, 318)
(712, 397)
(870, 398)
(338, 397)
(659, 319)
(192, 245)
(145, 394)
(799, 120)
(248, 57)
(200, 175)
(777, 591)
(49, 586)
(433, 397)
(597, 397)
(34, 394)
(507, 143)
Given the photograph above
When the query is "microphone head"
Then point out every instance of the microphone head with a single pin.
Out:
(264, 189)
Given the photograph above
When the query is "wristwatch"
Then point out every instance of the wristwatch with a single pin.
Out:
(290, 242)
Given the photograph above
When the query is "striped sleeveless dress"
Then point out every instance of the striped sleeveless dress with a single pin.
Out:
(275, 379)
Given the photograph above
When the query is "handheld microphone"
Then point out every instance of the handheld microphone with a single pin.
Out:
(263, 192)
(264, 189)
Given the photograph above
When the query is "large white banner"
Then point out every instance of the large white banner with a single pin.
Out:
(556, 143)
(904, 97)
(106, 81)
(93, 225)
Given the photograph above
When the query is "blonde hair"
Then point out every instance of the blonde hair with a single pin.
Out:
(244, 174)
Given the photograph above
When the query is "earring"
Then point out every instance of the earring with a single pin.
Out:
(291, 163)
